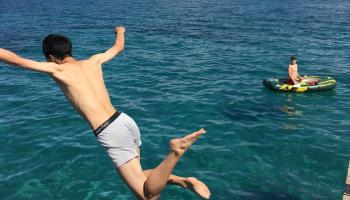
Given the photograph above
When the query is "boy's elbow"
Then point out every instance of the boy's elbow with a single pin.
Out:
(120, 47)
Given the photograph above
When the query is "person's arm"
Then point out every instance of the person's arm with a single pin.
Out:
(13, 59)
(297, 74)
(114, 50)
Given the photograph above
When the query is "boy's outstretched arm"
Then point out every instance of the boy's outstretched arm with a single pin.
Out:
(13, 59)
(114, 50)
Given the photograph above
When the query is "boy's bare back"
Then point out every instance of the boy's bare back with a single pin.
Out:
(81, 81)
(83, 85)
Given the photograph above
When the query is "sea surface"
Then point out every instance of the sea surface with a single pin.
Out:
(186, 65)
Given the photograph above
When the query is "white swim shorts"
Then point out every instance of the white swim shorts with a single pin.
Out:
(120, 136)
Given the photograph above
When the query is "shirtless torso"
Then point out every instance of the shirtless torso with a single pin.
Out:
(83, 85)
(293, 73)
(81, 81)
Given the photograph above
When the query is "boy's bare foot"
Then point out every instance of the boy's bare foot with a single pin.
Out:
(180, 145)
(197, 187)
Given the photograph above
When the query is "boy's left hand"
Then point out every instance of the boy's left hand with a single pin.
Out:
(119, 29)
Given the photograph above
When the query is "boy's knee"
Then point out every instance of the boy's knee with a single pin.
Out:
(150, 197)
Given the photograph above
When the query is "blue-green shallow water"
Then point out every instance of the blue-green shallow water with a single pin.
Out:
(186, 65)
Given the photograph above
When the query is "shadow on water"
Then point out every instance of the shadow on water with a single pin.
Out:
(289, 108)
(259, 195)
(257, 109)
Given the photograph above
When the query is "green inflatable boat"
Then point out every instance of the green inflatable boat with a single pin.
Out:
(309, 84)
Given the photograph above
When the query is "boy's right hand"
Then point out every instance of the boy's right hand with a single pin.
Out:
(119, 29)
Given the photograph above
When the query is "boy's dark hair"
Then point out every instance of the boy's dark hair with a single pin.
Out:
(59, 46)
(293, 57)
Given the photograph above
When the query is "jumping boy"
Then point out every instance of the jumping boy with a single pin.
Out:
(82, 83)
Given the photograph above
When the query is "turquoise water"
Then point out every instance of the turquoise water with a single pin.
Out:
(186, 65)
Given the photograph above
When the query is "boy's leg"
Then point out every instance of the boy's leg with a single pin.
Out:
(190, 183)
(173, 179)
(151, 186)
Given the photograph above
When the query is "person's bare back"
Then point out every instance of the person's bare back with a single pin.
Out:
(83, 85)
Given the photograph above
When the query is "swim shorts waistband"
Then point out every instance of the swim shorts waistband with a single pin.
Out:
(99, 129)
